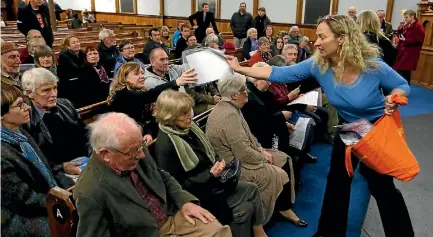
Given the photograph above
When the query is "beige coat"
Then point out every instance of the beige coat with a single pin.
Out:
(231, 137)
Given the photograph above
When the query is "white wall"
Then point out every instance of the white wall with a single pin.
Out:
(148, 7)
(400, 5)
(282, 11)
(74, 4)
(362, 5)
(103, 5)
(228, 7)
(177, 8)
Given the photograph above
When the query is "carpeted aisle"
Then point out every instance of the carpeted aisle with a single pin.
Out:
(418, 193)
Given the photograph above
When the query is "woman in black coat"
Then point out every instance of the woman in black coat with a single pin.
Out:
(183, 150)
(92, 84)
(370, 25)
(71, 61)
(129, 96)
(26, 176)
(251, 44)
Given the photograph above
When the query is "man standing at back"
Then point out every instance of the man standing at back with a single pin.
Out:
(351, 12)
(385, 26)
(240, 23)
(203, 19)
(36, 16)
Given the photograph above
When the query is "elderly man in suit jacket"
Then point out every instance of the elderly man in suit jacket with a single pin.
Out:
(122, 192)
(203, 18)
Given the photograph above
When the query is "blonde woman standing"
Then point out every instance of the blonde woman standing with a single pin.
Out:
(347, 68)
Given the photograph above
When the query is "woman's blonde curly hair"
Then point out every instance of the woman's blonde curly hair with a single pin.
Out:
(355, 50)
(120, 81)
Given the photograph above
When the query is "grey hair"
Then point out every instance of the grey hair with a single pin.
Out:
(230, 85)
(35, 43)
(36, 77)
(29, 34)
(105, 131)
(304, 39)
(277, 61)
(292, 28)
(104, 33)
(289, 46)
(263, 40)
(211, 38)
(258, 64)
(250, 31)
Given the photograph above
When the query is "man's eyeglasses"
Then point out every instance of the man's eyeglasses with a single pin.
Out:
(134, 154)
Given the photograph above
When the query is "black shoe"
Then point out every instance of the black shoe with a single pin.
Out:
(329, 138)
(307, 158)
(299, 223)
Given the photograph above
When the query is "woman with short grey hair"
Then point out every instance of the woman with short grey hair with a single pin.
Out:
(304, 51)
(211, 41)
(264, 52)
(108, 51)
(251, 44)
(32, 45)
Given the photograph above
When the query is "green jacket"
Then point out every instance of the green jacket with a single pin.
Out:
(108, 204)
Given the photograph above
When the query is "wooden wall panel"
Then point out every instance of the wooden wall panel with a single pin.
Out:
(423, 76)
(126, 18)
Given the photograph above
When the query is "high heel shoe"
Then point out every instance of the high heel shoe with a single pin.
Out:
(299, 223)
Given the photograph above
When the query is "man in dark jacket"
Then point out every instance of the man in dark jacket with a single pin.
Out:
(260, 22)
(36, 16)
(153, 42)
(182, 43)
(240, 23)
(203, 18)
(108, 51)
(134, 197)
(384, 25)
(54, 122)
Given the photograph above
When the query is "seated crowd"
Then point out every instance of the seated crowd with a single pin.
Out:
(176, 185)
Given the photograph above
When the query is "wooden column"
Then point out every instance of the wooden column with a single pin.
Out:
(135, 7)
(389, 9)
(52, 15)
(117, 4)
(299, 9)
(161, 7)
(92, 6)
(255, 7)
(334, 8)
(218, 9)
(193, 6)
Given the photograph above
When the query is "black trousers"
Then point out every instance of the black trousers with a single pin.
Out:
(283, 202)
(406, 75)
(392, 208)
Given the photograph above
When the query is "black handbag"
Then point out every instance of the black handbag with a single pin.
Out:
(229, 178)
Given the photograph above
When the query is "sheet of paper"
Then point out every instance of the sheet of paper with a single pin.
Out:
(360, 126)
(349, 138)
(309, 98)
(297, 138)
(209, 66)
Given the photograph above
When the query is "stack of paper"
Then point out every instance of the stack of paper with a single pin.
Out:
(309, 98)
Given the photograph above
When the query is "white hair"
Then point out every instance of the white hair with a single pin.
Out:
(105, 131)
(250, 31)
(288, 46)
(208, 30)
(230, 85)
(293, 28)
(211, 38)
(36, 77)
(104, 33)
(258, 64)
(352, 8)
(304, 39)
(34, 43)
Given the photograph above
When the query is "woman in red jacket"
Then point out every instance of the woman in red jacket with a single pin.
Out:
(411, 37)
(263, 53)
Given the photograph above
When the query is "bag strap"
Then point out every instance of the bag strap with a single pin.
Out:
(348, 161)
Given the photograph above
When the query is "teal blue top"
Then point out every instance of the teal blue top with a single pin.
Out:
(361, 99)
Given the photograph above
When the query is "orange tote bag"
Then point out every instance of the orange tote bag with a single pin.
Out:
(384, 149)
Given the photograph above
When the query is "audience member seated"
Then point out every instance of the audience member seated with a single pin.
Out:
(369, 24)
(32, 45)
(251, 44)
(2, 22)
(87, 17)
(153, 42)
(165, 37)
(45, 58)
(230, 136)
(286, 37)
(304, 51)
(93, 84)
(197, 168)
(181, 44)
(76, 22)
(211, 41)
(127, 54)
(71, 60)
(192, 42)
(108, 51)
(133, 196)
(26, 177)
(205, 97)
(263, 53)
(294, 35)
(54, 122)
(10, 64)
(269, 33)
(128, 94)
(260, 22)
(221, 40)
(32, 34)
(177, 34)
(229, 48)
(277, 46)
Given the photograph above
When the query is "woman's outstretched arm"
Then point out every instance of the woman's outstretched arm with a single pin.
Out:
(261, 73)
